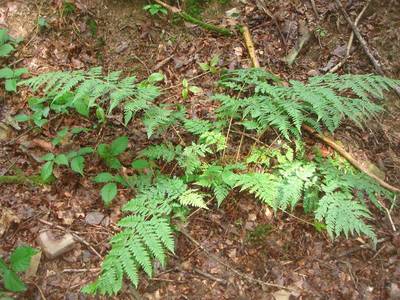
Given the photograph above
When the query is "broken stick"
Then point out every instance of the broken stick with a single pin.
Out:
(351, 39)
(250, 46)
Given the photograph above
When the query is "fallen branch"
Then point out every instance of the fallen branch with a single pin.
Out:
(188, 18)
(250, 46)
(362, 41)
(351, 39)
(351, 159)
(21, 179)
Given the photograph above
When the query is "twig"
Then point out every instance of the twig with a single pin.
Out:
(83, 241)
(362, 41)
(358, 248)
(314, 7)
(188, 18)
(209, 276)
(74, 234)
(348, 156)
(389, 215)
(39, 289)
(238, 273)
(351, 39)
(250, 46)
(162, 63)
(80, 270)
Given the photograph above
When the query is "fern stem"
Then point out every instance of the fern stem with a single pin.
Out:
(239, 148)
(227, 137)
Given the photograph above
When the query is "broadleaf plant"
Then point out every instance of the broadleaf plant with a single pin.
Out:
(19, 262)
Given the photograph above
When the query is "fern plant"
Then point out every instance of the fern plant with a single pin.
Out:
(280, 176)
(324, 101)
(84, 90)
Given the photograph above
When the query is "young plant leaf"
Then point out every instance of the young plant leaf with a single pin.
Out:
(6, 73)
(47, 170)
(61, 159)
(140, 164)
(21, 257)
(78, 164)
(119, 145)
(12, 282)
(103, 177)
(22, 118)
(47, 157)
(108, 192)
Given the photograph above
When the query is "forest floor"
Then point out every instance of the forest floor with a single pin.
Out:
(274, 247)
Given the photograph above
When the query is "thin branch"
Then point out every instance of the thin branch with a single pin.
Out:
(351, 39)
(362, 41)
(351, 159)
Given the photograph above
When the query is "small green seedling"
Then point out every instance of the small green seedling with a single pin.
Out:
(19, 262)
(39, 115)
(109, 153)
(6, 43)
(61, 135)
(110, 189)
(321, 32)
(42, 24)
(187, 89)
(68, 8)
(74, 159)
(11, 77)
(155, 9)
(211, 66)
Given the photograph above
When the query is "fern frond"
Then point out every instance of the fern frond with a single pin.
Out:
(342, 215)
(192, 197)
(324, 100)
(262, 185)
(197, 126)
(166, 152)
(96, 88)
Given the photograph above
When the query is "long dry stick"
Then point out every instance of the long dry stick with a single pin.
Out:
(188, 18)
(351, 39)
(362, 41)
(351, 159)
